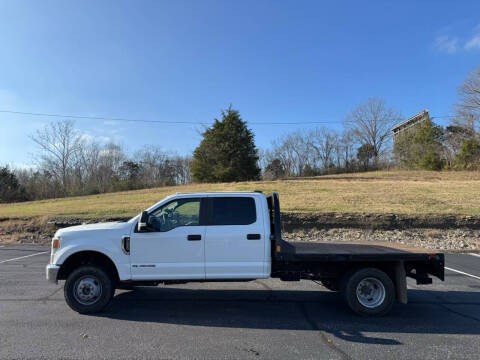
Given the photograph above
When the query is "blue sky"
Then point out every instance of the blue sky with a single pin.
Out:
(279, 61)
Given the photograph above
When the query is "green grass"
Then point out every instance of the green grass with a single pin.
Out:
(402, 192)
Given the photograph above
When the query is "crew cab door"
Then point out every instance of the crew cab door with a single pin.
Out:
(235, 238)
(173, 247)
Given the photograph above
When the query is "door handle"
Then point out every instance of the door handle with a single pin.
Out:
(194, 237)
(253, 237)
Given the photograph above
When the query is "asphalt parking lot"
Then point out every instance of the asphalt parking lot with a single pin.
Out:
(259, 319)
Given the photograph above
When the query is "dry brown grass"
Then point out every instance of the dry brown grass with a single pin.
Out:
(29, 230)
(402, 192)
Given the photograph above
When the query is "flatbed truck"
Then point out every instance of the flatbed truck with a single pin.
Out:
(227, 236)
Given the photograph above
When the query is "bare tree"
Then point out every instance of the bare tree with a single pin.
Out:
(467, 113)
(111, 159)
(285, 154)
(347, 148)
(160, 168)
(469, 91)
(464, 118)
(292, 151)
(370, 123)
(297, 143)
(182, 166)
(87, 167)
(314, 152)
(323, 143)
(58, 143)
(264, 158)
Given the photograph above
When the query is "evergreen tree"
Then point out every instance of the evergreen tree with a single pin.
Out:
(469, 155)
(274, 170)
(365, 155)
(227, 151)
(420, 146)
(10, 189)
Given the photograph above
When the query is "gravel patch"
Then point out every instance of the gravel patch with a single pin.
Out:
(435, 239)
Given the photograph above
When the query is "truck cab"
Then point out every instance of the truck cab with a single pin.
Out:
(202, 237)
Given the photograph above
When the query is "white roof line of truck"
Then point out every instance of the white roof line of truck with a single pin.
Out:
(218, 192)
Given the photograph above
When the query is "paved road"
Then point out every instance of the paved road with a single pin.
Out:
(260, 319)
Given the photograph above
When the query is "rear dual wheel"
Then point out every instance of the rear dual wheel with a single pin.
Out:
(368, 291)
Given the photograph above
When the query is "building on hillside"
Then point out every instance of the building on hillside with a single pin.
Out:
(410, 122)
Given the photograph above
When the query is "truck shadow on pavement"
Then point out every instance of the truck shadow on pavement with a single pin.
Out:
(428, 312)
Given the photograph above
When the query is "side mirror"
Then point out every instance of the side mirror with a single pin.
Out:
(142, 223)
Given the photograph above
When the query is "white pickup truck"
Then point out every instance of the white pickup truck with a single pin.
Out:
(233, 236)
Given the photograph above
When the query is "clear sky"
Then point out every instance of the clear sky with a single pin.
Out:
(274, 61)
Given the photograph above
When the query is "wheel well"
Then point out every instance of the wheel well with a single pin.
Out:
(88, 257)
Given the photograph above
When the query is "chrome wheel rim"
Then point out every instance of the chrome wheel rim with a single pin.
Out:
(370, 292)
(87, 290)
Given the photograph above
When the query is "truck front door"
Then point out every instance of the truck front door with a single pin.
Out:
(174, 245)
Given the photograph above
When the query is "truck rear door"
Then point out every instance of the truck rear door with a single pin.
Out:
(235, 238)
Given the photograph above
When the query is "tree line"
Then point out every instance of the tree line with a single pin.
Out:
(69, 163)
(366, 141)
(362, 145)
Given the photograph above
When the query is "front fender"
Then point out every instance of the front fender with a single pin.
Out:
(65, 252)
(120, 260)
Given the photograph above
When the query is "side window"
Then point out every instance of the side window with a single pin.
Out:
(233, 211)
(180, 212)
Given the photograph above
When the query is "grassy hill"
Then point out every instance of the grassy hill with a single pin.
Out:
(401, 192)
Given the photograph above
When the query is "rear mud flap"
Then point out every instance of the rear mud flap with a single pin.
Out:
(401, 282)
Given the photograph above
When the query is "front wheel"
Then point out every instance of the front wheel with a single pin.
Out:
(369, 291)
(88, 289)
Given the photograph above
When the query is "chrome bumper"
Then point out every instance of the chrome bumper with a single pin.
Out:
(51, 272)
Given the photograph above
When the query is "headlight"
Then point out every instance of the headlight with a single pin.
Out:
(55, 246)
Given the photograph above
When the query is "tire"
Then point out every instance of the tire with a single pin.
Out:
(88, 289)
(368, 292)
(331, 284)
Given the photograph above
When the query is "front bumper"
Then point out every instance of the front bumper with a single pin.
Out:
(52, 272)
